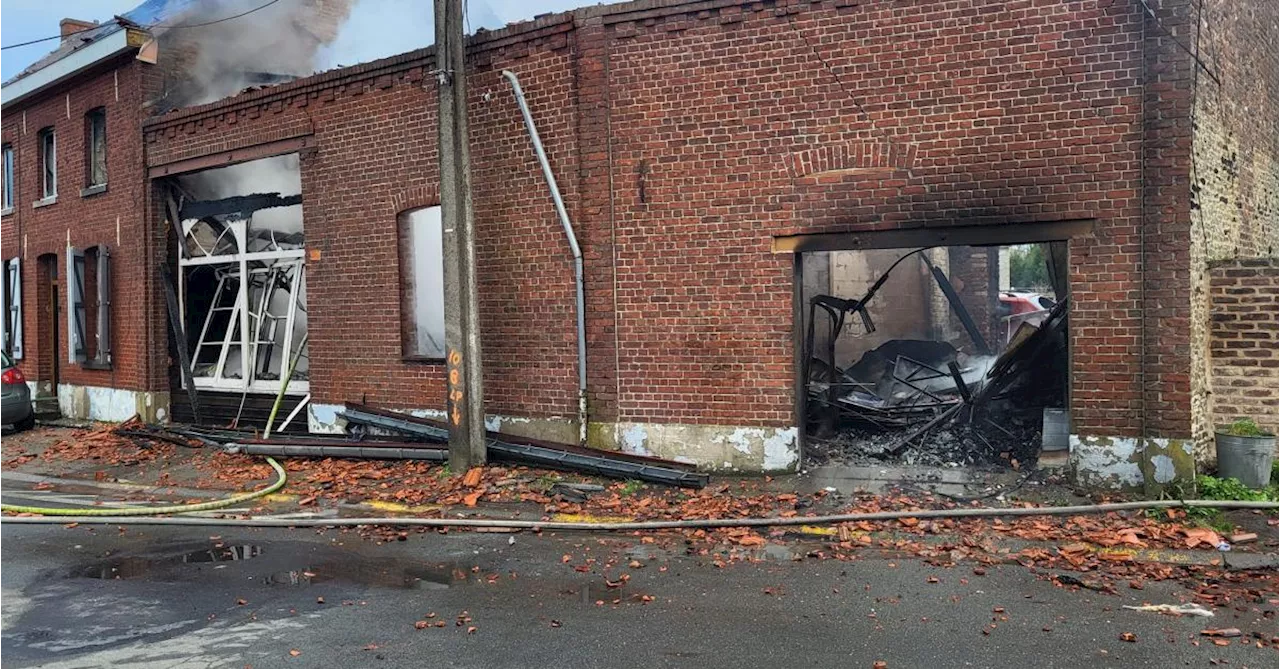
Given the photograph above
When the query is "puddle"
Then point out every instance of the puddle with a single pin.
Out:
(283, 566)
(388, 573)
(137, 567)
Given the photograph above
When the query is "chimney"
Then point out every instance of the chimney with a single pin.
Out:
(70, 26)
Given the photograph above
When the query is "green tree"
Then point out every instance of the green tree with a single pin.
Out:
(1027, 268)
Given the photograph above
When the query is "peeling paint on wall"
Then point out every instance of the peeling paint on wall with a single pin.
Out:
(111, 404)
(1106, 462)
(633, 440)
(1130, 463)
(323, 418)
(1163, 471)
(715, 447)
(781, 451)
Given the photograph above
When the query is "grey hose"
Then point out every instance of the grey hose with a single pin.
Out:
(703, 523)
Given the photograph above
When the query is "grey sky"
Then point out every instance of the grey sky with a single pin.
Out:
(377, 28)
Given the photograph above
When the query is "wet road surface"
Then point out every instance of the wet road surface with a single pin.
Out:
(179, 597)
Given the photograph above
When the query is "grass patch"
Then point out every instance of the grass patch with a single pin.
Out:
(630, 488)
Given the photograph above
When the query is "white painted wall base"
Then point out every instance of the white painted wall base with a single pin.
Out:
(714, 448)
(112, 404)
(1131, 463)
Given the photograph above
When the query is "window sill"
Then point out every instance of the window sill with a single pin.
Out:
(93, 190)
(53, 199)
(6, 211)
(422, 360)
(94, 364)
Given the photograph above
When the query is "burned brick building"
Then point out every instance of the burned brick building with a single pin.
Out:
(722, 163)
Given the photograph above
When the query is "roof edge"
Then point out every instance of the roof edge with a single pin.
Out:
(75, 63)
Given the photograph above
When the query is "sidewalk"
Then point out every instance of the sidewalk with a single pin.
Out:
(110, 468)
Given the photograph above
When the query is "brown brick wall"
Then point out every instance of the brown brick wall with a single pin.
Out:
(686, 136)
(1162, 252)
(375, 133)
(114, 218)
(1233, 171)
(1243, 341)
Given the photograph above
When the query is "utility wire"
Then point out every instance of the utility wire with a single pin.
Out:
(1194, 55)
(222, 20)
(173, 27)
(46, 39)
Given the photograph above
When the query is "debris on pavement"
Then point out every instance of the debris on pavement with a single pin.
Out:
(1174, 609)
(928, 402)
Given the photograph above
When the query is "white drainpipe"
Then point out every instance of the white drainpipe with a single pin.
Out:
(573, 245)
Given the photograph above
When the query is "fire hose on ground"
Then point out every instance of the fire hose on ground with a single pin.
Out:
(628, 526)
(135, 511)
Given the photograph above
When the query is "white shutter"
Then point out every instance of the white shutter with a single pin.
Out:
(13, 309)
(104, 306)
(5, 328)
(76, 351)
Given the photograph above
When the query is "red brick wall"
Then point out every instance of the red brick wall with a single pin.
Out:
(114, 218)
(374, 127)
(1244, 342)
(685, 137)
(944, 113)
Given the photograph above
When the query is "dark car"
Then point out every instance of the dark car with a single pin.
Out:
(17, 409)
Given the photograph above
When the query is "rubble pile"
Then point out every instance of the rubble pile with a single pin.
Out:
(921, 402)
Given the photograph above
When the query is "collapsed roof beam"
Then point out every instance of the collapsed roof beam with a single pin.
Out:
(240, 204)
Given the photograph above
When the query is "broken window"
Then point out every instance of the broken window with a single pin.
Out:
(95, 125)
(12, 308)
(422, 283)
(6, 164)
(48, 163)
(242, 285)
(77, 330)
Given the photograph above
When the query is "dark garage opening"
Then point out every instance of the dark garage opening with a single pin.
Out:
(934, 355)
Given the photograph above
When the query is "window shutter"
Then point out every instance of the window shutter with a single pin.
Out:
(13, 311)
(104, 305)
(5, 327)
(75, 306)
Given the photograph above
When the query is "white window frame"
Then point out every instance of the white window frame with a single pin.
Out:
(9, 186)
(11, 323)
(90, 135)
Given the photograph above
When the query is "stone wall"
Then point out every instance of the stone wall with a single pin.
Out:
(1233, 172)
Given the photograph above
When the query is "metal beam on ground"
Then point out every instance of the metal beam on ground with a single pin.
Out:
(538, 456)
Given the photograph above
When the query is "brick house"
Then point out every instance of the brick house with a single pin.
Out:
(702, 149)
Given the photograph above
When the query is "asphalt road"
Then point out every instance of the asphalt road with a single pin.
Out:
(160, 597)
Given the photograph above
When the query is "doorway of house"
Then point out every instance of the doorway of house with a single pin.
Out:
(932, 354)
(48, 317)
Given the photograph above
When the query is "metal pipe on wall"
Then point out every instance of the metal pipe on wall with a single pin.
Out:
(573, 245)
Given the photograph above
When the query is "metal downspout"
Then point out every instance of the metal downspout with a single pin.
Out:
(573, 245)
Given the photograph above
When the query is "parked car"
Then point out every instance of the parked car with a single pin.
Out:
(1018, 307)
(17, 410)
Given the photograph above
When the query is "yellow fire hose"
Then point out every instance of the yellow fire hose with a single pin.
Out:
(158, 510)
(113, 512)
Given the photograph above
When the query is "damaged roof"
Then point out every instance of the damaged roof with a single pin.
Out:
(82, 50)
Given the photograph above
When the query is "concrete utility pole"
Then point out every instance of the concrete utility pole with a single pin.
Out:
(461, 303)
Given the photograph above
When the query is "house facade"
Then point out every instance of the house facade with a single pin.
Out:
(702, 148)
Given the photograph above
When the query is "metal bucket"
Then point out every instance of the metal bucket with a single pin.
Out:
(1056, 434)
(1245, 458)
